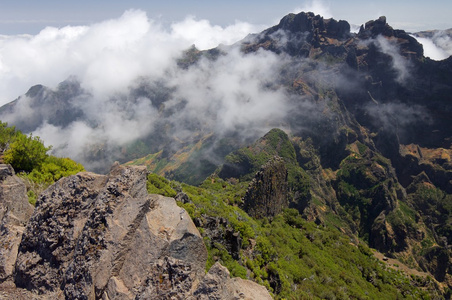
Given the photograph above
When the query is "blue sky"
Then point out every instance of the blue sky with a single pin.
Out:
(31, 16)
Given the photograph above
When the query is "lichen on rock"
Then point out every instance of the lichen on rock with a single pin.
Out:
(102, 236)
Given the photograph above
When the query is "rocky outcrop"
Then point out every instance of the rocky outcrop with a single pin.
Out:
(315, 24)
(267, 193)
(299, 34)
(408, 44)
(98, 236)
(217, 284)
(14, 213)
(219, 231)
(102, 236)
(13, 196)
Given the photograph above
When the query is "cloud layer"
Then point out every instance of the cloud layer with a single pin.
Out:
(105, 56)
(439, 46)
(113, 59)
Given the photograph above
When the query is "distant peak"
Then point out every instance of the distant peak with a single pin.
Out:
(34, 90)
(373, 28)
(309, 22)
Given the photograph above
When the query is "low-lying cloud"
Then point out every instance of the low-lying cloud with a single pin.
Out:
(112, 59)
(399, 64)
(438, 46)
(105, 56)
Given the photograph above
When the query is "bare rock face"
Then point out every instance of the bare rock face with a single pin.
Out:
(218, 285)
(267, 193)
(104, 237)
(96, 236)
(14, 213)
(13, 196)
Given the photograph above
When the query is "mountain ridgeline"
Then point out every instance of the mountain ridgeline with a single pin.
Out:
(341, 140)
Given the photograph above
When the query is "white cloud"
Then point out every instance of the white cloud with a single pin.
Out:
(111, 58)
(205, 35)
(231, 92)
(400, 64)
(106, 56)
(234, 92)
(431, 50)
(318, 7)
(437, 45)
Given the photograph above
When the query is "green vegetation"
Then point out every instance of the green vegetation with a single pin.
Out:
(181, 165)
(248, 160)
(292, 257)
(7, 135)
(434, 206)
(159, 185)
(26, 153)
(28, 156)
(365, 186)
(54, 168)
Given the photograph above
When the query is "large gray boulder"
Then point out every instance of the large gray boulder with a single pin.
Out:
(104, 237)
(217, 284)
(95, 236)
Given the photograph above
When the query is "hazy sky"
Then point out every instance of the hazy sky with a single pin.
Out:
(31, 16)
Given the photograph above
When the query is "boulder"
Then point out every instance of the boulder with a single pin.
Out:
(218, 230)
(96, 236)
(13, 196)
(104, 237)
(14, 213)
(218, 285)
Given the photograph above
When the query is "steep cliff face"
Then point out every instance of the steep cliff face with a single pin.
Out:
(276, 181)
(102, 236)
(268, 192)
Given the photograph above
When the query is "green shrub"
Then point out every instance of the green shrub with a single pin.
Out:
(28, 156)
(54, 168)
(7, 135)
(31, 197)
(159, 185)
(26, 153)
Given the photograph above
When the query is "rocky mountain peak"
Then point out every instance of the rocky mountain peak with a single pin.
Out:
(373, 28)
(315, 24)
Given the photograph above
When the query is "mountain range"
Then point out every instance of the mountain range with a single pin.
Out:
(350, 130)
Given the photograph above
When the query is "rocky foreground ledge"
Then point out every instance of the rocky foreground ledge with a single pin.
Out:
(104, 237)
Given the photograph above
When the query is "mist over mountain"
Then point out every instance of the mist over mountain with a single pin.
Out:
(133, 88)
